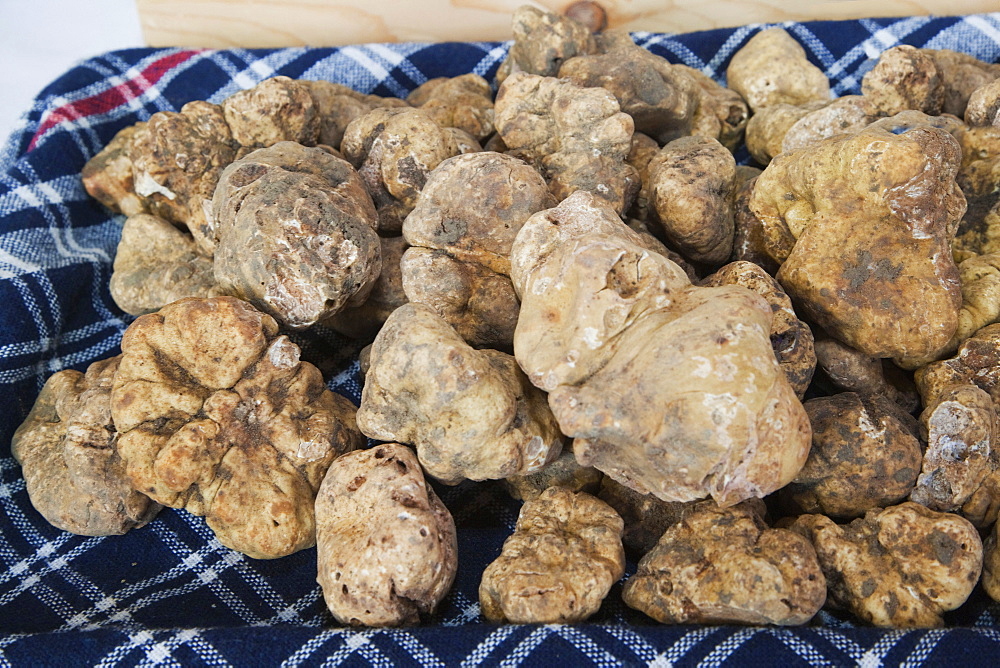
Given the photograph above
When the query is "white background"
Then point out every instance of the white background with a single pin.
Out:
(41, 39)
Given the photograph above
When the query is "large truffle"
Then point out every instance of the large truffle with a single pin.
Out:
(296, 233)
(903, 566)
(218, 415)
(67, 448)
(669, 388)
(543, 41)
(559, 564)
(772, 68)
(862, 225)
(469, 414)
(387, 550)
(724, 565)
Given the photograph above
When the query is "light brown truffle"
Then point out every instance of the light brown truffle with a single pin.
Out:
(155, 264)
(338, 105)
(766, 129)
(67, 448)
(991, 564)
(646, 517)
(296, 234)
(470, 414)
(661, 98)
(578, 138)
(772, 68)
(461, 231)
(387, 550)
(277, 109)
(902, 567)
(218, 415)
(543, 41)
(984, 105)
(726, 566)
(394, 150)
(479, 303)
(959, 424)
(791, 338)
(749, 238)
(692, 181)
(865, 454)
(904, 77)
(961, 74)
(177, 159)
(862, 225)
(559, 564)
(668, 388)
(464, 102)
(107, 176)
(844, 115)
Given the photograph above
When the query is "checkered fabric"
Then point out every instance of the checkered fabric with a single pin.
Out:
(169, 593)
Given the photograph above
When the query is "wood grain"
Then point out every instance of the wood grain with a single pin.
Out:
(274, 23)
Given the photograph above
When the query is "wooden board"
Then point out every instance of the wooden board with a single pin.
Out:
(274, 23)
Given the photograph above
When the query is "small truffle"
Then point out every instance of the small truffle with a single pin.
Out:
(68, 450)
(559, 564)
(387, 550)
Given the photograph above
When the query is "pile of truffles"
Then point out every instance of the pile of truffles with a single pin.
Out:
(775, 388)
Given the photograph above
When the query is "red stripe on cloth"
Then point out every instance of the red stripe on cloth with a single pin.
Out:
(107, 100)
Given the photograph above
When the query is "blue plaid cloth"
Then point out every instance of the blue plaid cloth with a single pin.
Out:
(169, 593)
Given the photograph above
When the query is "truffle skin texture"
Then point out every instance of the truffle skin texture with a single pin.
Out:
(791, 338)
(387, 295)
(903, 566)
(578, 138)
(661, 98)
(338, 105)
(67, 448)
(862, 225)
(725, 566)
(276, 109)
(961, 74)
(218, 415)
(296, 234)
(766, 129)
(543, 41)
(559, 564)
(991, 564)
(844, 115)
(865, 454)
(464, 102)
(176, 162)
(386, 545)
(157, 263)
(692, 181)
(564, 471)
(959, 425)
(853, 371)
(479, 303)
(646, 517)
(461, 231)
(394, 151)
(107, 176)
(904, 77)
(977, 362)
(772, 68)
(669, 388)
(470, 414)
(984, 105)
